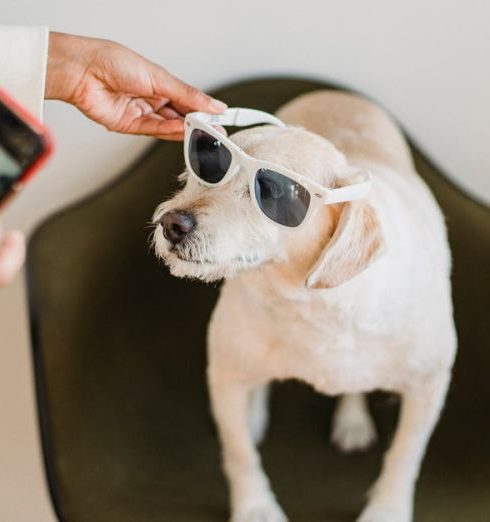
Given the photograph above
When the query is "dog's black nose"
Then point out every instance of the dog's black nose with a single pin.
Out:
(177, 224)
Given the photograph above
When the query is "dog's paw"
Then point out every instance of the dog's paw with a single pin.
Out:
(353, 430)
(386, 513)
(269, 511)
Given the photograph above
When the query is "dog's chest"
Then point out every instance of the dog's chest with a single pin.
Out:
(333, 363)
(336, 350)
(344, 344)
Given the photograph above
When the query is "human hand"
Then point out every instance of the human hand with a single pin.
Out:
(12, 254)
(120, 89)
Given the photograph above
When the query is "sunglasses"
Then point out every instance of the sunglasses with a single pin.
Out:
(284, 197)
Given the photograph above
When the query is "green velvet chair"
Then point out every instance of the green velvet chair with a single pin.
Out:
(119, 352)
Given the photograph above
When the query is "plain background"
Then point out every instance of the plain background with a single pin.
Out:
(427, 62)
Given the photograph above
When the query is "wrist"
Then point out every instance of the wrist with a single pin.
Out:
(65, 67)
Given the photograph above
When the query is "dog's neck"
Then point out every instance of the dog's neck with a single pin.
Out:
(286, 279)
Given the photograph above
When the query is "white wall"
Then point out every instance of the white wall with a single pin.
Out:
(426, 60)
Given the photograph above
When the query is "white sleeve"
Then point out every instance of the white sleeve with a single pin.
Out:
(23, 59)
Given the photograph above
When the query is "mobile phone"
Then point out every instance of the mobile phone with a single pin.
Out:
(25, 145)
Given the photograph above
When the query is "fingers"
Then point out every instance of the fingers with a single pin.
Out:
(12, 254)
(183, 96)
(159, 127)
(174, 136)
(169, 114)
(171, 137)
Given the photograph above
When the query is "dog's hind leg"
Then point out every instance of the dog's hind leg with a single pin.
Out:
(392, 495)
(352, 426)
(251, 497)
(258, 413)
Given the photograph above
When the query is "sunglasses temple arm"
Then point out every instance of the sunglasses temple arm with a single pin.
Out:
(349, 192)
(239, 117)
(247, 117)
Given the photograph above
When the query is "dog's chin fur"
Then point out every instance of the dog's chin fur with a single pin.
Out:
(208, 271)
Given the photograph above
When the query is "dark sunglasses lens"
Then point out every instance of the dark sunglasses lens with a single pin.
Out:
(209, 158)
(280, 198)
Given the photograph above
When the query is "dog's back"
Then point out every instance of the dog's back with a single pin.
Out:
(357, 127)
(368, 136)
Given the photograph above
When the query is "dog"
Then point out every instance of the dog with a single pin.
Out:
(358, 300)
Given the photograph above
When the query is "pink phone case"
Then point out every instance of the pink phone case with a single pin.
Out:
(37, 127)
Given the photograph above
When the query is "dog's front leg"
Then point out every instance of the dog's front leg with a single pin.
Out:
(251, 497)
(392, 495)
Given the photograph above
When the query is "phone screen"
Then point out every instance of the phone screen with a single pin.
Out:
(20, 146)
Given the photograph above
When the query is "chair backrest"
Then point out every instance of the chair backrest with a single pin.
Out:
(119, 344)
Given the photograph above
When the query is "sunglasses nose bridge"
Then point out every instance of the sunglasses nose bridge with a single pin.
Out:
(249, 167)
(239, 168)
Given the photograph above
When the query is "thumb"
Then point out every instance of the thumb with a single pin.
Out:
(12, 254)
(182, 94)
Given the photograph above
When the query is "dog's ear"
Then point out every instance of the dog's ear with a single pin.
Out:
(356, 242)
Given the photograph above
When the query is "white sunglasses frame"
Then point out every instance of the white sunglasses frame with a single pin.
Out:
(240, 160)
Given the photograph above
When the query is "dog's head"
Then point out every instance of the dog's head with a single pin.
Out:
(214, 233)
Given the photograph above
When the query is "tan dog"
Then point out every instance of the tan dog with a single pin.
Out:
(357, 300)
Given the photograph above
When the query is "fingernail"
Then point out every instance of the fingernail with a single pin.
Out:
(218, 105)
